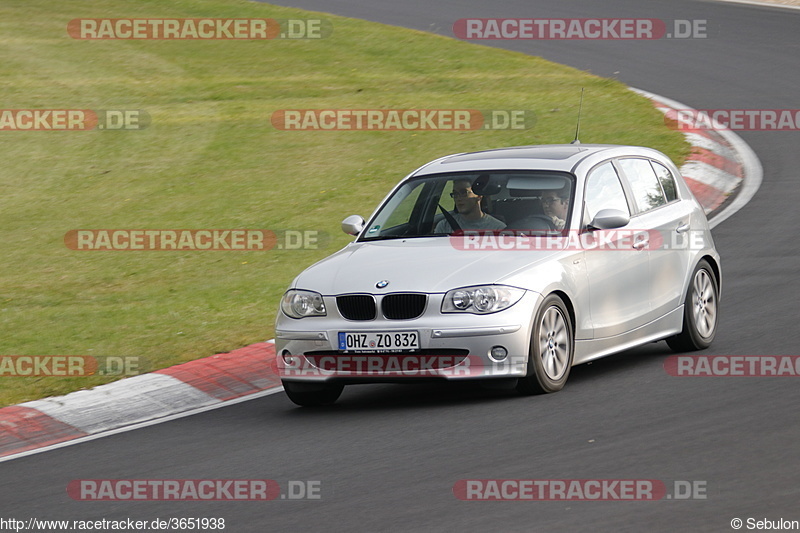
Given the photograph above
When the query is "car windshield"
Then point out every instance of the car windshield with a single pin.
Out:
(442, 204)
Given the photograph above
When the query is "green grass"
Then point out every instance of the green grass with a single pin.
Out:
(211, 159)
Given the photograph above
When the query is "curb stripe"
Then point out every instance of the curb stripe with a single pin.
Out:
(708, 157)
(231, 375)
(24, 428)
(139, 425)
(123, 402)
(717, 146)
(711, 176)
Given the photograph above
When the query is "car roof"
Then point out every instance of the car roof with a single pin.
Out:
(560, 157)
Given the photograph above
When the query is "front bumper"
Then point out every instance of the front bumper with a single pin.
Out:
(452, 346)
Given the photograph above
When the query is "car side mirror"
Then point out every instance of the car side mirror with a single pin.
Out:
(353, 225)
(609, 219)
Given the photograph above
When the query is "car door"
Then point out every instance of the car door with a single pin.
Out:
(618, 272)
(660, 211)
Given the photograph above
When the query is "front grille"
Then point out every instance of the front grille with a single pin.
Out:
(403, 306)
(356, 306)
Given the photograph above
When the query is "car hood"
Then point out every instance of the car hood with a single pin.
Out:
(415, 265)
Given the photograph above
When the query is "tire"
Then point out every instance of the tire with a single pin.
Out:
(551, 351)
(312, 394)
(700, 311)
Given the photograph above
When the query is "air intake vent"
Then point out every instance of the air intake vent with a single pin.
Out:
(403, 306)
(356, 306)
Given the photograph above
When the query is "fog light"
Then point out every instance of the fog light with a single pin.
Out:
(498, 353)
(289, 359)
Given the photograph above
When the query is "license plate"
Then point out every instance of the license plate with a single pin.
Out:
(379, 342)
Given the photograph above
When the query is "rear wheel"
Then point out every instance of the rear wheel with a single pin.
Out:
(699, 311)
(312, 394)
(551, 350)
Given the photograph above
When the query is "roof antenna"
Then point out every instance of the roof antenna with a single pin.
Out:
(578, 126)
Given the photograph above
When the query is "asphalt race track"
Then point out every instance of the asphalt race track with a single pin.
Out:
(387, 456)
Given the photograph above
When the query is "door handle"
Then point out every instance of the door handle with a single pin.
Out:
(683, 228)
(640, 245)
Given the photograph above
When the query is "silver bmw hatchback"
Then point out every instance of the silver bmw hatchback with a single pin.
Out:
(508, 266)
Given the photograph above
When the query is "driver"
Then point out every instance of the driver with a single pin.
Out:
(470, 216)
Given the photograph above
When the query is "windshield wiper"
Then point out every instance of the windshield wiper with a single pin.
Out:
(392, 237)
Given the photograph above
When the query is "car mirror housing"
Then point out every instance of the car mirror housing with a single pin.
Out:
(353, 225)
(609, 219)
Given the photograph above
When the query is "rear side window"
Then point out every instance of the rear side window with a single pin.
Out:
(667, 181)
(644, 184)
(604, 191)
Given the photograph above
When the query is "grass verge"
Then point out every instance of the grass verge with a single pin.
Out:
(211, 159)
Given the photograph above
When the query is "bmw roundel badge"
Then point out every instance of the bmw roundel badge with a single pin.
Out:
(382, 283)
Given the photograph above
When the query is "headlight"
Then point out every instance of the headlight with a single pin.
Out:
(481, 300)
(461, 299)
(299, 304)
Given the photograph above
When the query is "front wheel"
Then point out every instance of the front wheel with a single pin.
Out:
(312, 394)
(699, 311)
(551, 351)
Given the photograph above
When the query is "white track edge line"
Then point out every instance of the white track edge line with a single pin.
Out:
(760, 4)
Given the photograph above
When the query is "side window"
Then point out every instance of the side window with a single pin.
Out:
(644, 184)
(604, 191)
(667, 181)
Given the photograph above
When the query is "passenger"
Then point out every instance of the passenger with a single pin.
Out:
(555, 204)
